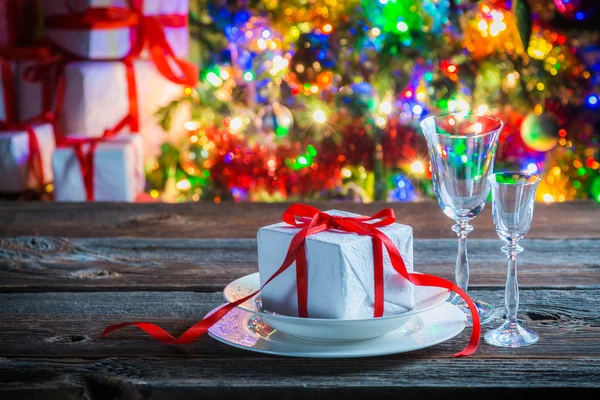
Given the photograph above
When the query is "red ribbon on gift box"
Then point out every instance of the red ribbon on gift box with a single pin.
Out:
(34, 157)
(41, 71)
(146, 32)
(85, 150)
(311, 221)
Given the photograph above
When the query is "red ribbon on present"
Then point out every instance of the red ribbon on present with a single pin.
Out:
(147, 31)
(34, 157)
(312, 221)
(85, 158)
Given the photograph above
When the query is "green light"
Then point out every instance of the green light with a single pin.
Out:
(401, 26)
(311, 150)
(281, 131)
(206, 173)
(302, 160)
(464, 158)
(581, 171)
(248, 76)
(576, 184)
(428, 76)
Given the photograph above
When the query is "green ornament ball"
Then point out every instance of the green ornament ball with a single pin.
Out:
(275, 119)
(540, 132)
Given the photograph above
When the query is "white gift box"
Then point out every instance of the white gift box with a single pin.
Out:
(30, 94)
(118, 171)
(114, 43)
(340, 272)
(27, 96)
(15, 176)
(96, 98)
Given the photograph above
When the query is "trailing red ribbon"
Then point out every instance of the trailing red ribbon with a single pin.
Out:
(34, 157)
(312, 221)
(85, 151)
(147, 31)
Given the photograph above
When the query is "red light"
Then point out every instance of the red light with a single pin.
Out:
(589, 162)
(408, 93)
(451, 68)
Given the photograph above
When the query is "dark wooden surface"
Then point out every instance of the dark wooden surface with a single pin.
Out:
(69, 270)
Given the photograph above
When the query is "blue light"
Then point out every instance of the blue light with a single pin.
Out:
(579, 16)
(593, 100)
(228, 158)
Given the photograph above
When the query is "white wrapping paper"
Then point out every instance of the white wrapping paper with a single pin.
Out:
(340, 272)
(118, 173)
(15, 176)
(102, 44)
(29, 94)
(96, 98)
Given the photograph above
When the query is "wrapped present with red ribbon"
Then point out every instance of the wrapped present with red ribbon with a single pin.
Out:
(27, 83)
(88, 29)
(305, 222)
(343, 285)
(25, 154)
(96, 95)
(105, 168)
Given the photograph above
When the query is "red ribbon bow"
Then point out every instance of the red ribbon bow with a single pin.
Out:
(312, 221)
(149, 33)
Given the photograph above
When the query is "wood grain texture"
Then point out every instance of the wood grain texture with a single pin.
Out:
(36, 263)
(69, 270)
(209, 220)
(50, 342)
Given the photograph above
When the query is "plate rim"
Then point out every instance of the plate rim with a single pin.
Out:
(325, 355)
(443, 299)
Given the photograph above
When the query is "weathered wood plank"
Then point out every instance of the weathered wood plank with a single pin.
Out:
(49, 345)
(95, 264)
(67, 325)
(209, 220)
(283, 378)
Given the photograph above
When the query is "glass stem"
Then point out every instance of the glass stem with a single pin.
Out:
(461, 273)
(511, 293)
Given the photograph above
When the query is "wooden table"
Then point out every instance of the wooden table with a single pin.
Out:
(69, 270)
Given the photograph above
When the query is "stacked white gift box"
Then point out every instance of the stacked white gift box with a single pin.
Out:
(116, 63)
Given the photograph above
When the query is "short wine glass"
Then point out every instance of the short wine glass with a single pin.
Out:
(462, 147)
(513, 197)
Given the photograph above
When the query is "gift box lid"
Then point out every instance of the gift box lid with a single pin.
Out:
(337, 237)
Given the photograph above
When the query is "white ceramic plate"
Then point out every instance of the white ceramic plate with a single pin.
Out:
(332, 330)
(248, 331)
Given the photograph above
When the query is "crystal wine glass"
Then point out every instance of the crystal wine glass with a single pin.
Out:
(462, 148)
(513, 195)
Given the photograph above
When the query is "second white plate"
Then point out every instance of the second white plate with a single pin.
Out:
(332, 330)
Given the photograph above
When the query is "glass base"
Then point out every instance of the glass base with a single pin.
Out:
(485, 310)
(512, 335)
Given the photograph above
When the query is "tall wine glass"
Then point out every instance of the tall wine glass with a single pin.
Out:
(513, 196)
(462, 147)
